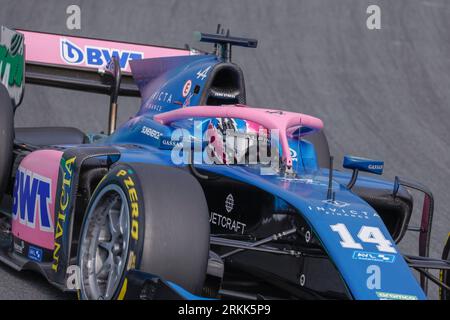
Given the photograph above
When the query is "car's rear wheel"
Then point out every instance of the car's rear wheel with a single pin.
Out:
(145, 217)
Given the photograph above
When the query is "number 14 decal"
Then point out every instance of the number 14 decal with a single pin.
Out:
(366, 234)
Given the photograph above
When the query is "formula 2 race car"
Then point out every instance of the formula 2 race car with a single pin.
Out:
(198, 195)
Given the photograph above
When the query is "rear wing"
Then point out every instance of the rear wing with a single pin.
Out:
(74, 62)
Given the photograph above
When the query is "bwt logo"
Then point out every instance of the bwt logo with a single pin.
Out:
(95, 56)
(32, 197)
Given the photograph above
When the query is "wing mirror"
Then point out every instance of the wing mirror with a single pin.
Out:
(361, 164)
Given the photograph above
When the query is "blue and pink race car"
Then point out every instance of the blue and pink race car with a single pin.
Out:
(197, 196)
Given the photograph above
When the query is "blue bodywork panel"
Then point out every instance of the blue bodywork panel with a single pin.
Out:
(350, 230)
(163, 82)
(308, 194)
(363, 164)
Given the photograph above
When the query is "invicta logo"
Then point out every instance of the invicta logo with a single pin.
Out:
(63, 207)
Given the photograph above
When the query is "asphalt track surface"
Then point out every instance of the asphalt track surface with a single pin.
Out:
(382, 94)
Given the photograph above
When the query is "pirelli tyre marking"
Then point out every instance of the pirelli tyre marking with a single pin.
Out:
(116, 247)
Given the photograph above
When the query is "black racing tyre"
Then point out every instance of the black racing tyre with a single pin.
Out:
(320, 142)
(6, 138)
(145, 217)
(445, 274)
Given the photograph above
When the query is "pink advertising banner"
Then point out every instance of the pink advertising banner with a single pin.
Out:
(72, 51)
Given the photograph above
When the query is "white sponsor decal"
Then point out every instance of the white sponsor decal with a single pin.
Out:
(395, 296)
(32, 200)
(229, 203)
(374, 279)
(339, 204)
(161, 96)
(339, 212)
(151, 132)
(187, 88)
(93, 56)
(202, 74)
(227, 223)
(366, 234)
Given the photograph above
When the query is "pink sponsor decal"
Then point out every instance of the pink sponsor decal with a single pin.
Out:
(34, 198)
(56, 49)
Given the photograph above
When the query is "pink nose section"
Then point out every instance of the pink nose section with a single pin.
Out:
(268, 118)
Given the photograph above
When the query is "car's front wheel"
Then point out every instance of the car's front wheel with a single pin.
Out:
(145, 217)
(105, 243)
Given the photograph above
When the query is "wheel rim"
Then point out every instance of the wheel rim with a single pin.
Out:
(104, 244)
